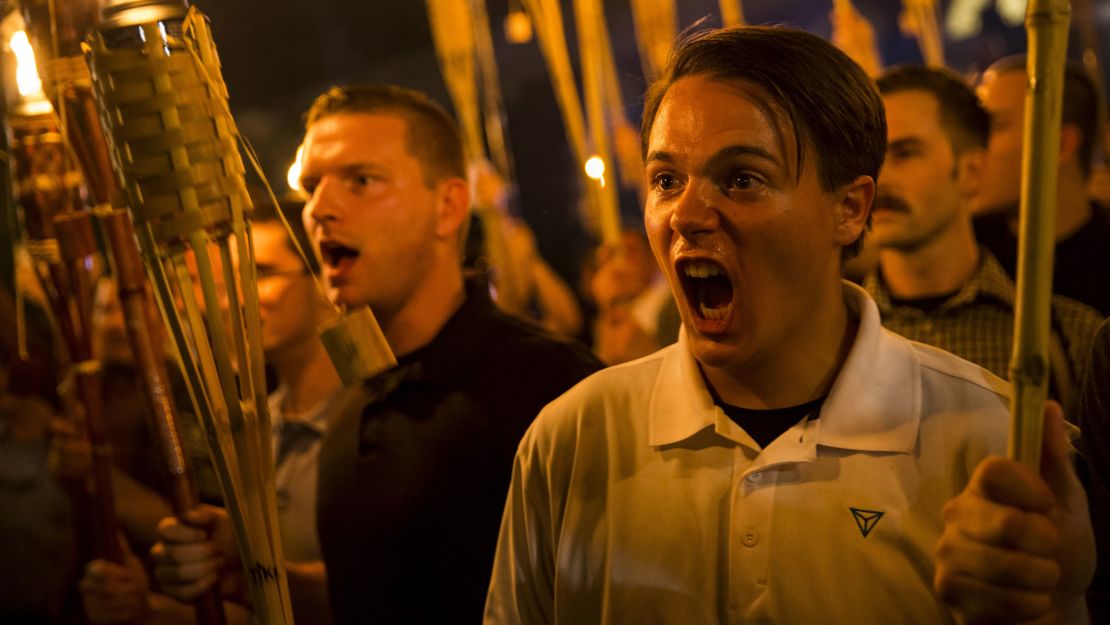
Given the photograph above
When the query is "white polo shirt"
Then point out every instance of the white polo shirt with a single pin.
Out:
(635, 499)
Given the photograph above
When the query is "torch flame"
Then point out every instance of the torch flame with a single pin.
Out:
(26, 73)
(595, 167)
(293, 176)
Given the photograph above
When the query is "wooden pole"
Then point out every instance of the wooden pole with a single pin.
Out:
(1046, 23)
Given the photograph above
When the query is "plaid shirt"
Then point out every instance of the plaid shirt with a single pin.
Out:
(977, 323)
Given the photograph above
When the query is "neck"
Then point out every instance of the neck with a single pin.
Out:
(1073, 208)
(427, 311)
(942, 265)
(307, 374)
(800, 367)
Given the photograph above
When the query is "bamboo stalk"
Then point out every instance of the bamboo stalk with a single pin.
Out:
(590, 23)
(548, 20)
(656, 31)
(187, 198)
(456, 40)
(157, 395)
(493, 110)
(61, 237)
(920, 20)
(1046, 23)
(78, 246)
(732, 13)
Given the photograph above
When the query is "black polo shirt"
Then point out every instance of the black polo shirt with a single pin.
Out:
(1080, 263)
(415, 468)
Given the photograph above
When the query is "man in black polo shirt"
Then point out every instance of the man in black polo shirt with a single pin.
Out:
(1082, 230)
(414, 470)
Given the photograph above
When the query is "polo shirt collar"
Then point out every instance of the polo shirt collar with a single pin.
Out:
(873, 405)
(989, 281)
(680, 404)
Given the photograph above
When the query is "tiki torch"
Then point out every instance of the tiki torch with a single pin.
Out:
(173, 143)
(1046, 23)
(59, 31)
(60, 242)
(919, 18)
(465, 51)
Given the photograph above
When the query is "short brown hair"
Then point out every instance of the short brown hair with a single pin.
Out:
(1080, 105)
(432, 135)
(964, 119)
(827, 98)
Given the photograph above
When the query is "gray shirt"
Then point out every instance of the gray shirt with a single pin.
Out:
(296, 444)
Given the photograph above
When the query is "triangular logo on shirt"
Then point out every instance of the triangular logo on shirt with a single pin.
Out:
(866, 520)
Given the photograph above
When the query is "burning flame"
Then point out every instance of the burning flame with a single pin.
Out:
(595, 167)
(293, 176)
(26, 73)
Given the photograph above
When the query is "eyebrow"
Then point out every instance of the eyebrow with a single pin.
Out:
(346, 169)
(905, 142)
(723, 154)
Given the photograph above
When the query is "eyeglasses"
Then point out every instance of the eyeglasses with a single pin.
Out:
(267, 274)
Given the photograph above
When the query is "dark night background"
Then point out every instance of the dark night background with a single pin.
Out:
(278, 55)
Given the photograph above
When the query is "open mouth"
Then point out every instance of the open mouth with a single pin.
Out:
(336, 255)
(707, 289)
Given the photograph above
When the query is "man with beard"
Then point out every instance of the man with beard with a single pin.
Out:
(1082, 230)
(934, 284)
(788, 460)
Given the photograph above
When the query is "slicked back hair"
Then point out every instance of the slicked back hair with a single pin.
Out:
(432, 137)
(1080, 104)
(962, 116)
(827, 98)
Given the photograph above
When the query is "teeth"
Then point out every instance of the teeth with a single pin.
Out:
(701, 269)
(714, 313)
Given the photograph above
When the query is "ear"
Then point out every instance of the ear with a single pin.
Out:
(971, 167)
(1071, 138)
(452, 206)
(853, 209)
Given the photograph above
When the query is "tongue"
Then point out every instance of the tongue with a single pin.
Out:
(715, 292)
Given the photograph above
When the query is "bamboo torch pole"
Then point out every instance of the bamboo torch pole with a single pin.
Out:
(154, 383)
(454, 30)
(174, 147)
(590, 22)
(62, 247)
(656, 30)
(732, 13)
(919, 19)
(60, 28)
(1047, 25)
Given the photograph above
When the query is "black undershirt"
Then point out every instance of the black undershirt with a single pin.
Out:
(764, 426)
(927, 305)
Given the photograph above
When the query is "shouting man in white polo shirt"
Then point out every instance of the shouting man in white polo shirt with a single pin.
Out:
(788, 461)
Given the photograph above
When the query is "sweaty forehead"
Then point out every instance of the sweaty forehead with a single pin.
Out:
(364, 133)
(701, 113)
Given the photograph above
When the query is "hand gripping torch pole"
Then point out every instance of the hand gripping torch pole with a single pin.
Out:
(173, 143)
(59, 30)
(1046, 22)
(61, 244)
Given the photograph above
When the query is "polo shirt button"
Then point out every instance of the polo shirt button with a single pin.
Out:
(749, 538)
(755, 477)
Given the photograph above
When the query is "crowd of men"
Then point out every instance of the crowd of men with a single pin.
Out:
(803, 450)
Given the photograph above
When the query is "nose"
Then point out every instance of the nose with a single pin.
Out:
(323, 206)
(695, 213)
